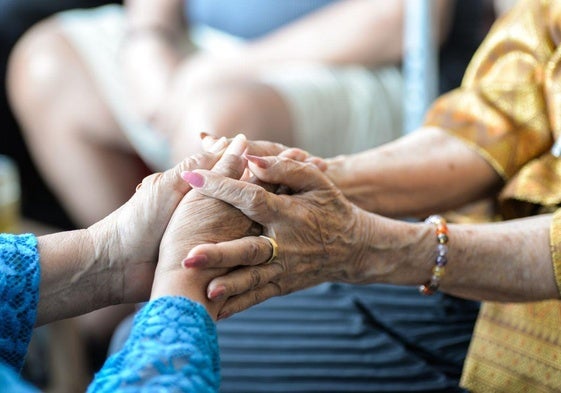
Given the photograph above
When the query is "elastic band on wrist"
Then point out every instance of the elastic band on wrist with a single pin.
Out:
(441, 231)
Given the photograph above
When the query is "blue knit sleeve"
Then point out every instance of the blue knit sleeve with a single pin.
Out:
(19, 294)
(172, 347)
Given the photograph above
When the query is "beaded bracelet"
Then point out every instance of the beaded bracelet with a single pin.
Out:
(431, 286)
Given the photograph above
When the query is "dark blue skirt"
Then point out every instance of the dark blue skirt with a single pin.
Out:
(344, 338)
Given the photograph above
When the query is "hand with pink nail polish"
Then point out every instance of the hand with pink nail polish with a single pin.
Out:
(124, 246)
(200, 219)
(266, 148)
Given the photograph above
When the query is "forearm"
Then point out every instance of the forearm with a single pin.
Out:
(142, 14)
(425, 172)
(509, 261)
(354, 31)
(151, 49)
(74, 280)
(190, 285)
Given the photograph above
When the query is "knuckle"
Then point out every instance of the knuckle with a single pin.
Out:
(151, 179)
(255, 278)
(257, 297)
(196, 161)
(229, 164)
(253, 252)
(257, 199)
(276, 288)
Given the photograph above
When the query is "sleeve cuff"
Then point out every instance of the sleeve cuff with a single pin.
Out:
(555, 246)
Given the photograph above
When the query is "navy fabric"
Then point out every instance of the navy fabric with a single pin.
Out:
(250, 19)
(344, 338)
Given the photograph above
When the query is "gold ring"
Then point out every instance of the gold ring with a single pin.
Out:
(275, 247)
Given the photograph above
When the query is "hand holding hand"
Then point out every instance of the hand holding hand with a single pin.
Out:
(267, 148)
(129, 238)
(200, 219)
(317, 230)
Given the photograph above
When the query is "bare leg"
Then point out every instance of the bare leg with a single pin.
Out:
(246, 106)
(74, 139)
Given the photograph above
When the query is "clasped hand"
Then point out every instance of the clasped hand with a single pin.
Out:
(317, 230)
(204, 243)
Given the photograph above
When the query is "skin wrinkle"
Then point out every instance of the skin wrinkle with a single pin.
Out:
(252, 252)
(255, 277)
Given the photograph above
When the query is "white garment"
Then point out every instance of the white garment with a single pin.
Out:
(336, 110)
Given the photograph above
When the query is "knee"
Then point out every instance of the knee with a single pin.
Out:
(227, 110)
(251, 108)
(37, 68)
(221, 111)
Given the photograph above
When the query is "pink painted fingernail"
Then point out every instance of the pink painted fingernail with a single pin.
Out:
(217, 293)
(259, 161)
(193, 178)
(195, 261)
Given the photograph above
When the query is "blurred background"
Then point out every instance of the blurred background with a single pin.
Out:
(43, 212)
(16, 16)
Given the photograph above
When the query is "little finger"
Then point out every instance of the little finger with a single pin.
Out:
(244, 301)
(243, 280)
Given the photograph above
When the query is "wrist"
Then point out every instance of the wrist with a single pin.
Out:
(190, 284)
(394, 251)
(74, 278)
(104, 255)
(364, 270)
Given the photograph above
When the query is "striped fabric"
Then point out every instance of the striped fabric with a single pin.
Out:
(343, 338)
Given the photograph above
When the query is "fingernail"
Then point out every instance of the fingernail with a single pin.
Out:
(193, 178)
(194, 261)
(238, 145)
(223, 315)
(203, 135)
(217, 293)
(259, 161)
(219, 145)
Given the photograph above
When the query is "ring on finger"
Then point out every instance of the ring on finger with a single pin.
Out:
(274, 246)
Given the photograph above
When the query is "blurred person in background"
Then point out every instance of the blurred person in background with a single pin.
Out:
(121, 94)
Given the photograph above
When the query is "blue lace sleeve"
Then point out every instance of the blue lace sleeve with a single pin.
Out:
(172, 347)
(19, 294)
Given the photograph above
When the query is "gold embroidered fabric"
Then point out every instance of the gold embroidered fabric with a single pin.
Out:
(515, 348)
(509, 110)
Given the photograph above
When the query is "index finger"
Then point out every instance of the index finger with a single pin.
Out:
(232, 163)
(252, 200)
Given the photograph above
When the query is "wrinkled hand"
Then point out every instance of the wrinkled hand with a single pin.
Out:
(316, 228)
(200, 219)
(267, 148)
(129, 238)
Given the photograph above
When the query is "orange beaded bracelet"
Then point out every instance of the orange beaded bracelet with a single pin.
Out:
(431, 286)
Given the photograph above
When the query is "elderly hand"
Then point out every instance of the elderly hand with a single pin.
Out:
(199, 219)
(129, 238)
(317, 230)
(267, 148)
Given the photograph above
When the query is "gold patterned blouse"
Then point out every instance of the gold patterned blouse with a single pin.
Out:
(509, 110)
